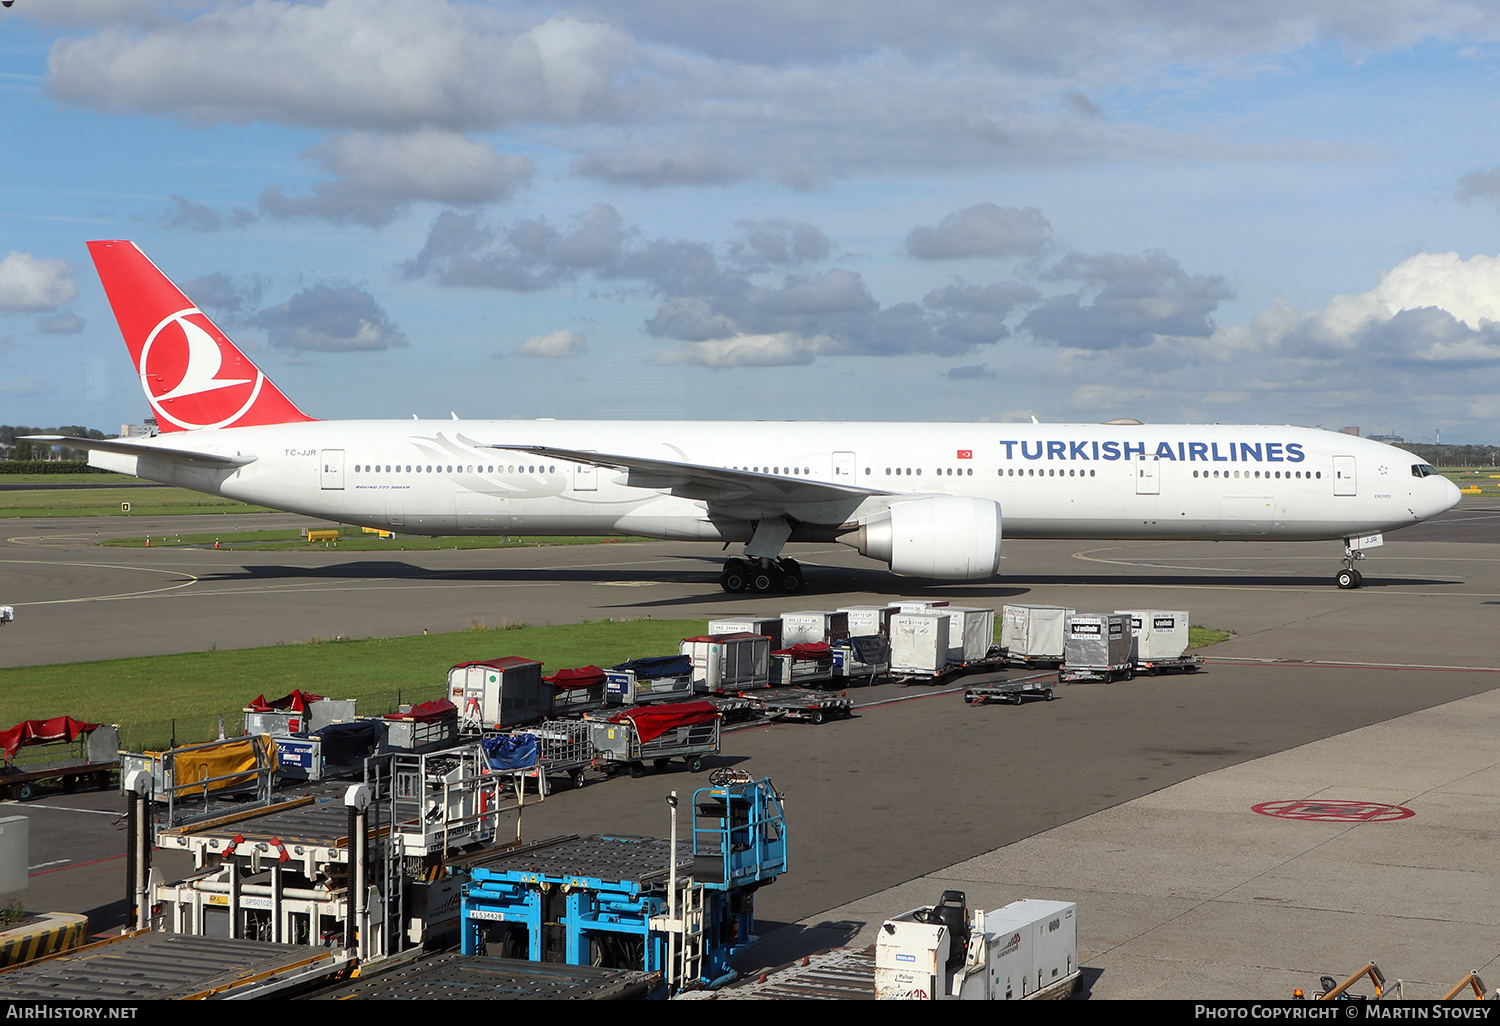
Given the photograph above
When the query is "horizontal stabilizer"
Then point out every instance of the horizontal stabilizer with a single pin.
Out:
(155, 452)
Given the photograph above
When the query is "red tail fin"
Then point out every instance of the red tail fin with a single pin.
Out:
(193, 375)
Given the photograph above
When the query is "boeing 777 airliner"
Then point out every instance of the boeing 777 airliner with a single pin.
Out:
(926, 499)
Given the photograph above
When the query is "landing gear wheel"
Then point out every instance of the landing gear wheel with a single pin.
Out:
(1347, 578)
(736, 576)
(761, 581)
(789, 577)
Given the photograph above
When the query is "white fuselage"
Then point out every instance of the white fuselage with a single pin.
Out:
(1051, 480)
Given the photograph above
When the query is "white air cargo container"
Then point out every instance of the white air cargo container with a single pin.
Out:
(770, 626)
(865, 621)
(498, 694)
(920, 643)
(912, 605)
(1159, 633)
(1034, 633)
(971, 632)
(813, 625)
(729, 662)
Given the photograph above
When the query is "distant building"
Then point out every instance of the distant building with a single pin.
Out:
(1387, 438)
(1349, 431)
(147, 429)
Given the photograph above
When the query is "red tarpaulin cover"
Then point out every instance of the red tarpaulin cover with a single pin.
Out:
(652, 721)
(41, 732)
(427, 712)
(582, 677)
(808, 650)
(296, 702)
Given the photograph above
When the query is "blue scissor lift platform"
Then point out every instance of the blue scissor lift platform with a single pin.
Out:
(608, 900)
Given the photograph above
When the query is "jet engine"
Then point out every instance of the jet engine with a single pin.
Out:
(948, 537)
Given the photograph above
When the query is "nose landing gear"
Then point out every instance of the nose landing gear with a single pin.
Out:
(1349, 577)
(761, 575)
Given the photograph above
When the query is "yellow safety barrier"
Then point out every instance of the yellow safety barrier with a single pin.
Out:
(322, 536)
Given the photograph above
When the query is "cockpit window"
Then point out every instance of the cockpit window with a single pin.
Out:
(1422, 470)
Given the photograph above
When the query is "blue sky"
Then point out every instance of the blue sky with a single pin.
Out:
(959, 210)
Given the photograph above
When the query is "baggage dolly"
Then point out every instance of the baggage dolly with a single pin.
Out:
(803, 704)
(1013, 691)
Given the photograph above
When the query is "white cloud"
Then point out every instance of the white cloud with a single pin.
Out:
(330, 320)
(30, 284)
(782, 349)
(379, 175)
(555, 345)
(372, 64)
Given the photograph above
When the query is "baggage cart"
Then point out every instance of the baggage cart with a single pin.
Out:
(807, 664)
(729, 662)
(422, 728)
(564, 748)
(62, 749)
(862, 660)
(578, 690)
(653, 679)
(1181, 664)
(803, 704)
(656, 734)
(498, 694)
(1097, 648)
(1013, 691)
(297, 713)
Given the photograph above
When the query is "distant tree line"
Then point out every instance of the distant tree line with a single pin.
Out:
(1454, 455)
(13, 447)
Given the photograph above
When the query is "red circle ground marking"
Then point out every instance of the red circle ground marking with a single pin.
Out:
(1323, 811)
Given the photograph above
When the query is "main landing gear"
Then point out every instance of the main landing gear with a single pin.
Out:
(761, 575)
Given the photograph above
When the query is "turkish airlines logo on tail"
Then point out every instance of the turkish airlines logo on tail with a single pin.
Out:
(183, 370)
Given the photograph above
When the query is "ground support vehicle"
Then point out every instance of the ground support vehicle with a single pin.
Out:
(356, 865)
(1021, 951)
(681, 909)
(1179, 664)
(151, 966)
(803, 704)
(732, 708)
(62, 749)
(453, 976)
(1013, 691)
(656, 734)
(191, 782)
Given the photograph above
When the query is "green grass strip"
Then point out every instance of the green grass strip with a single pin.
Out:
(146, 694)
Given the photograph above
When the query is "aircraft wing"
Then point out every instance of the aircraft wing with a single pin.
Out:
(710, 484)
(155, 452)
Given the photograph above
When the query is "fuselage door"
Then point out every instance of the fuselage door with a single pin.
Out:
(585, 477)
(333, 469)
(843, 468)
(1146, 480)
(1343, 475)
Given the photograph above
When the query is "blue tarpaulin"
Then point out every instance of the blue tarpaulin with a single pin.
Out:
(658, 666)
(510, 751)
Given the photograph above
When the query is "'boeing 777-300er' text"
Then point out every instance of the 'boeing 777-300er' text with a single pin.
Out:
(926, 499)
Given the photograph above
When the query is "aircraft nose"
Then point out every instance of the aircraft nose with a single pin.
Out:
(1451, 494)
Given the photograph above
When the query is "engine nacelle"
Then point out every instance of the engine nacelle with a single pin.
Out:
(949, 537)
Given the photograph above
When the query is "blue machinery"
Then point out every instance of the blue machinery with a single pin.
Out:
(626, 902)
